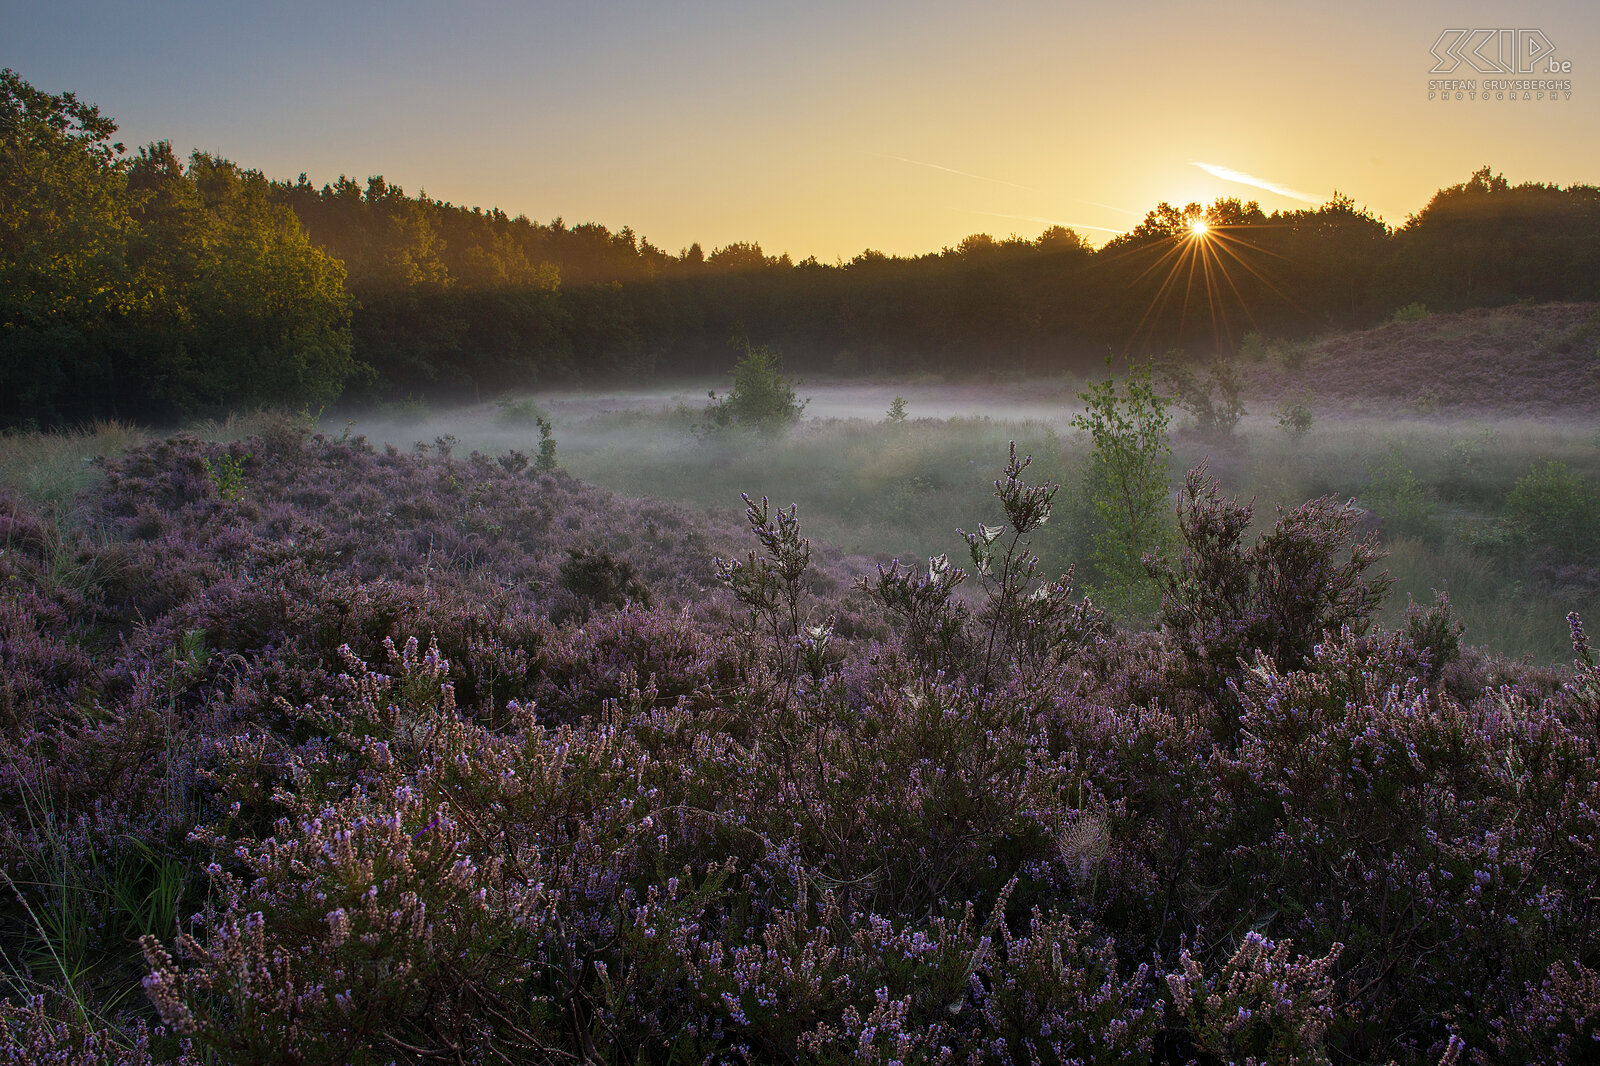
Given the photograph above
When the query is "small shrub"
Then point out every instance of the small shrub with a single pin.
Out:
(1289, 354)
(1399, 498)
(227, 474)
(546, 460)
(522, 412)
(1554, 507)
(1027, 621)
(896, 415)
(771, 584)
(1435, 631)
(1210, 394)
(761, 398)
(1255, 348)
(1224, 602)
(408, 411)
(1467, 473)
(1023, 623)
(1126, 480)
(602, 578)
(1264, 1005)
(1411, 312)
(1293, 354)
(1295, 418)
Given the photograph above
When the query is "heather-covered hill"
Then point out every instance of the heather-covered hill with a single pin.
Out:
(1534, 359)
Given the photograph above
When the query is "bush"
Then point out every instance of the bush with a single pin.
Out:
(1295, 418)
(602, 578)
(1225, 602)
(1290, 354)
(1254, 348)
(1210, 394)
(546, 460)
(1399, 498)
(761, 397)
(522, 412)
(1435, 631)
(1023, 624)
(1553, 507)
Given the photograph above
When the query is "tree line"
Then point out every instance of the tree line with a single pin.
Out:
(141, 285)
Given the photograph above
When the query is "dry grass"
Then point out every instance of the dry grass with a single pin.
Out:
(51, 469)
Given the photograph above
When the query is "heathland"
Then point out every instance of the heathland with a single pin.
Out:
(365, 751)
(1226, 706)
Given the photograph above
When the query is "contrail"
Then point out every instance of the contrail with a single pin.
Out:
(953, 170)
(1008, 184)
(1046, 221)
(1240, 177)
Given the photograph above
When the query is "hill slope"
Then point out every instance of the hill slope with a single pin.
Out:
(1523, 359)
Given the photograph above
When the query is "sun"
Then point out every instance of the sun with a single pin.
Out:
(1198, 228)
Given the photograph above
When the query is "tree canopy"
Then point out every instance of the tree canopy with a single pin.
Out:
(143, 286)
(148, 286)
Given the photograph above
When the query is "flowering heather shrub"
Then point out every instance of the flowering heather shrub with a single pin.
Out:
(1559, 1019)
(602, 578)
(577, 670)
(1354, 786)
(933, 623)
(39, 1030)
(1263, 1004)
(1023, 624)
(40, 666)
(317, 764)
(1224, 602)
(1436, 634)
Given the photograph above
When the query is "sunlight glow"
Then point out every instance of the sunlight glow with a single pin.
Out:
(1198, 268)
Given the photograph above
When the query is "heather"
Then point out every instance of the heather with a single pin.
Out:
(317, 751)
(1531, 358)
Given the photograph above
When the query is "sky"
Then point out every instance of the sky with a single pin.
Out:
(824, 129)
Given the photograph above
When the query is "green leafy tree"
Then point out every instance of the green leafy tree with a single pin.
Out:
(270, 312)
(144, 287)
(1126, 480)
(1553, 507)
(65, 281)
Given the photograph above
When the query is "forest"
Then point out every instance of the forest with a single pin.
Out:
(138, 285)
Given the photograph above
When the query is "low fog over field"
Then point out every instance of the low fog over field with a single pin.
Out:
(1435, 466)
(1040, 400)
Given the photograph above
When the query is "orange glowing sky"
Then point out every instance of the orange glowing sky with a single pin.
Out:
(826, 128)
